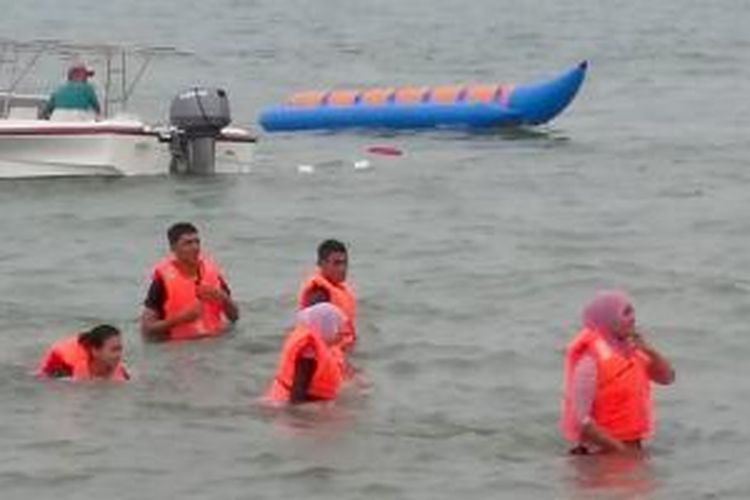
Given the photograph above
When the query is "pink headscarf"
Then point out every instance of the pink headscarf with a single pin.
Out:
(323, 318)
(605, 309)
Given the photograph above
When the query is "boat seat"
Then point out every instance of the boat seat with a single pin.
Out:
(72, 115)
(483, 93)
(307, 98)
(22, 106)
(377, 96)
(23, 113)
(446, 94)
(342, 97)
(410, 95)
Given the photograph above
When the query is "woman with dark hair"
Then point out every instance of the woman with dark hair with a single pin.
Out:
(95, 354)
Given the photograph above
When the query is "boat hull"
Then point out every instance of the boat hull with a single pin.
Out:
(38, 148)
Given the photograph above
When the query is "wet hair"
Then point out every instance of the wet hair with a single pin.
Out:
(328, 247)
(176, 231)
(97, 336)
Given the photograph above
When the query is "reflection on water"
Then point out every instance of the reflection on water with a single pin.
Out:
(325, 419)
(319, 419)
(616, 475)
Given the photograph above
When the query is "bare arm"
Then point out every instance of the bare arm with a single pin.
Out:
(660, 370)
(304, 369)
(592, 433)
(230, 308)
(155, 328)
(223, 295)
(152, 327)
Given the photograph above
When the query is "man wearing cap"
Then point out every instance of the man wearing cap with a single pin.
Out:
(74, 100)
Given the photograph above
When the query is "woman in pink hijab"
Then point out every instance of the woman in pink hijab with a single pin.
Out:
(609, 366)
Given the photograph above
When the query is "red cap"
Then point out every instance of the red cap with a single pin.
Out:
(79, 69)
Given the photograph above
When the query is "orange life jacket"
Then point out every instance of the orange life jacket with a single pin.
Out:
(70, 351)
(182, 293)
(622, 404)
(328, 375)
(342, 296)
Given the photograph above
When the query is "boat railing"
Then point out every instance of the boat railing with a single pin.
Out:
(122, 67)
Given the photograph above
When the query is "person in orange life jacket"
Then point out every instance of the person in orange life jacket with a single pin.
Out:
(188, 297)
(328, 284)
(609, 367)
(310, 365)
(96, 354)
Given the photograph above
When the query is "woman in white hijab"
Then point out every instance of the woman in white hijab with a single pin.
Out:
(310, 367)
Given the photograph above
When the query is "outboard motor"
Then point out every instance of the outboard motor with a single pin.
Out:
(197, 115)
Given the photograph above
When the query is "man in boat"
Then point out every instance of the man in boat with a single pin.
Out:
(188, 297)
(74, 100)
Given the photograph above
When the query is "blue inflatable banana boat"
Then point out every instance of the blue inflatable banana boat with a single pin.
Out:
(483, 105)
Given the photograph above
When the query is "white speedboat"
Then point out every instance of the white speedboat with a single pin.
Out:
(121, 145)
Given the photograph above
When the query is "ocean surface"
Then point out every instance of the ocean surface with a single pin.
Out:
(473, 254)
